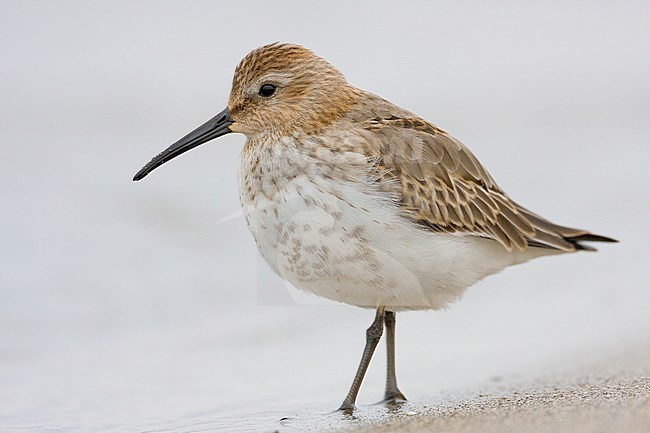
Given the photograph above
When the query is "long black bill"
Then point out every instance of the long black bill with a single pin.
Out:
(216, 127)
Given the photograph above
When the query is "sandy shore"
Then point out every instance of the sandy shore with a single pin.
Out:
(608, 397)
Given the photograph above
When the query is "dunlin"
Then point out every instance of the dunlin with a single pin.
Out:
(357, 200)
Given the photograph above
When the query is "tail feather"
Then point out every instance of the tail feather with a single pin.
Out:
(591, 237)
(550, 235)
(588, 237)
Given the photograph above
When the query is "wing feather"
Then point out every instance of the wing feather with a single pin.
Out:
(446, 189)
(443, 186)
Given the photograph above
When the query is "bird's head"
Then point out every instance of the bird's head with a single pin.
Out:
(277, 89)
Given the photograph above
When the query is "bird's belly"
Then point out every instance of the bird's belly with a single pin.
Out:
(349, 244)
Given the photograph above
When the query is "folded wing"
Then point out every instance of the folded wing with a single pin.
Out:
(443, 187)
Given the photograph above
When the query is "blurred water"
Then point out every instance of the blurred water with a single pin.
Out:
(125, 307)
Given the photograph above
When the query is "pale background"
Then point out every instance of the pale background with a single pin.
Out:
(127, 307)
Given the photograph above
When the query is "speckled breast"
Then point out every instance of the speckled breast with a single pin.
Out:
(314, 230)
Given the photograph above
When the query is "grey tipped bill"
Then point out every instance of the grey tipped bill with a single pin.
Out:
(216, 127)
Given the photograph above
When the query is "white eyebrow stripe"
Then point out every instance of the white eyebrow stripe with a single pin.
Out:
(274, 77)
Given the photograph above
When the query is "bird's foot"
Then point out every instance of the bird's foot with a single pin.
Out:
(347, 408)
(394, 397)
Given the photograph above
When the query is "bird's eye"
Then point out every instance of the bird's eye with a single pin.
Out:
(267, 90)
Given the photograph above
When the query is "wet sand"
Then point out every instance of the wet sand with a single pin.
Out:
(612, 396)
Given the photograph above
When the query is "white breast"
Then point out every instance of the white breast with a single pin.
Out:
(335, 235)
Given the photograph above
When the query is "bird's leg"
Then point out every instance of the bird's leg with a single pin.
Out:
(373, 334)
(392, 392)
